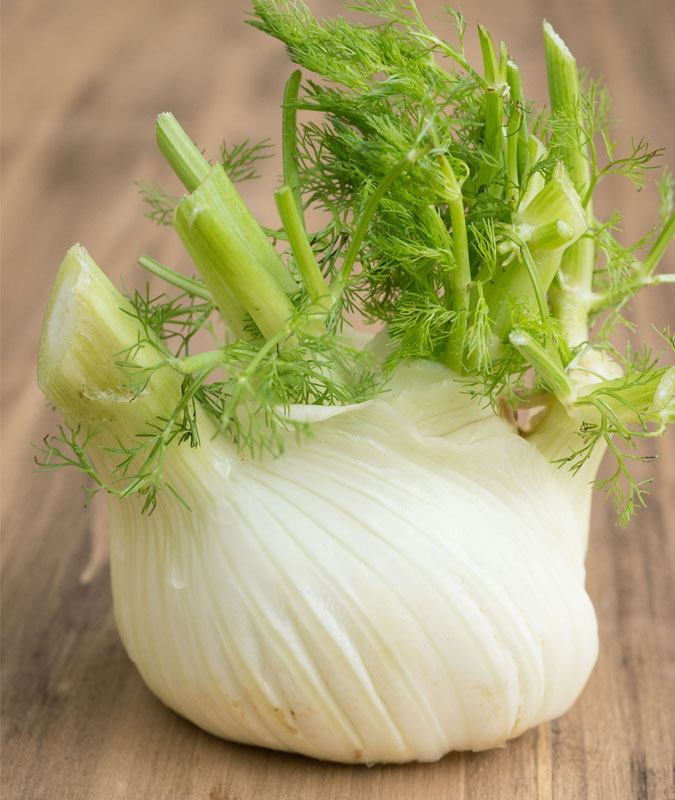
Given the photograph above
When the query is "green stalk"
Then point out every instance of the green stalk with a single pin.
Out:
(549, 369)
(223, 259)
(185, 284)
(564, 94)
(181, 153)
(570, 301)
(659, 247)
(460, 276)
(495, 75)
(514, 80)
(307, 263)
(289, 140)
(513, 131)
(231, 310)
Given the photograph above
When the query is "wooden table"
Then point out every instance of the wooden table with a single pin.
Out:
(82, 82)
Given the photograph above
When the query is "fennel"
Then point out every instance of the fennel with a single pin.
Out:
(463, 224)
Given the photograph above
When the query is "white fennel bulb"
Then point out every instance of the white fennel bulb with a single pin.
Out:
(407, 582)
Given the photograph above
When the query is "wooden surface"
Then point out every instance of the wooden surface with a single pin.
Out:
(82, 81)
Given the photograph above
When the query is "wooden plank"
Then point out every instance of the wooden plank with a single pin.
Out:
(81, 84)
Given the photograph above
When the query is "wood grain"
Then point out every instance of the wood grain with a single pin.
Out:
(81, 84)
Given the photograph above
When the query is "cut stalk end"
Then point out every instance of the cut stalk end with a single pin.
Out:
(87, 332)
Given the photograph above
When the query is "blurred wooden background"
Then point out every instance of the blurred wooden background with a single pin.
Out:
(81, 83)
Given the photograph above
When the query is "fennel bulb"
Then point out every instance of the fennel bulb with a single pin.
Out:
(357, 552)
(407, 582)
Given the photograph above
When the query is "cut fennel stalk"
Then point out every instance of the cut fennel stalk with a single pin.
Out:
(354, 551)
